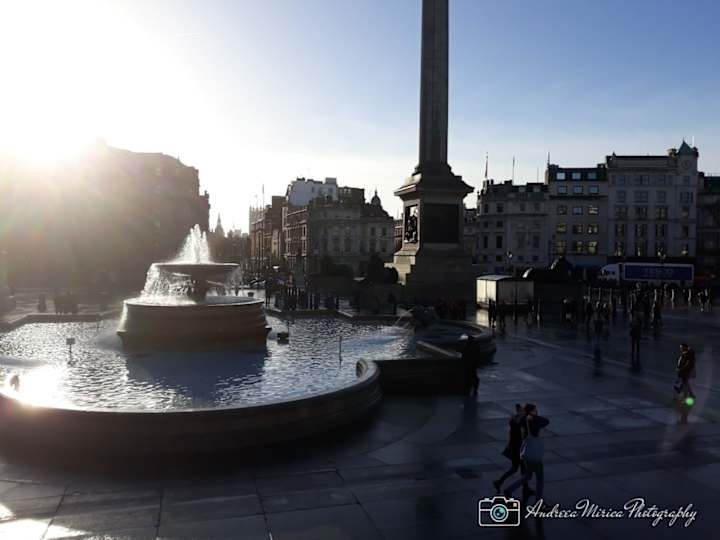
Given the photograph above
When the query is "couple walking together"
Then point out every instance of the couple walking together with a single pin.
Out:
(525, 450)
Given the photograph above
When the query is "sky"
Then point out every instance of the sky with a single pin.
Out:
(256, 93)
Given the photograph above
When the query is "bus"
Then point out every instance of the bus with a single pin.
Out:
(653, 273)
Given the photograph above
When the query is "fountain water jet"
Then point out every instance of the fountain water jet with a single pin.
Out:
(175, 310)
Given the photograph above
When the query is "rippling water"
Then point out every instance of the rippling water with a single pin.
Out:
(99, 374)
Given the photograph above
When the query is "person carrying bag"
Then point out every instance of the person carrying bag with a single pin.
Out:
(532, 452)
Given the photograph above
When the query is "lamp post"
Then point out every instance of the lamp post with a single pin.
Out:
(509, 255)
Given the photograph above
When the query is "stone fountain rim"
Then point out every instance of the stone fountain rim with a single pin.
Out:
(368, 374)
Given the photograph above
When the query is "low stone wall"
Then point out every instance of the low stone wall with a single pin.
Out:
(32, 318)
(25, 428)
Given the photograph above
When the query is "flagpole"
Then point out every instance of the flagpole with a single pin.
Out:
(513, 170)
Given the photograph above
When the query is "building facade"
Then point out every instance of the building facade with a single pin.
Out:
(303, 190)
(100, 219)
(266, 229)
(348, 231)
(708, 226)
(653, 205)
(577, 215)
(512, 227)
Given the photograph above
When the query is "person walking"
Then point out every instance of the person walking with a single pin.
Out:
(512, 450)
(532, 452)
(492, 313)
(502, 313)
(635, 335)
(685, 370)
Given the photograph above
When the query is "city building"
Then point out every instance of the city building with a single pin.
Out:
(347, 230)
(471, 237)
(266, 229)
(577, 215)
(652, 205)
(99, 219)
(303, 190)
(708, 226)
(512, 226)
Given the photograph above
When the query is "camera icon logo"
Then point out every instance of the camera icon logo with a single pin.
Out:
(498, 512)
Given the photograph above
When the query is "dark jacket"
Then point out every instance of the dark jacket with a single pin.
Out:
(686, 364)
(536, 424)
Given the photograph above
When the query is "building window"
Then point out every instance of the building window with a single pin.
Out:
(486, 208)
(640, 230)
(577, 247)
(521, 258)
(593, 210)
(371, 245)
(640, 248)
(661, 212)
(577, 210)
(660, 230)
(384, 232)
(685, 251)
(560, 176)
(577, 190)
(561, 210)
(486, 224)
(593, 228)
(535, 258)
(562, 190)
(619, 249)
(561, 247)
(498, 242)
(522, 207)
(621, 196)
(593, 190)
(592, 247)
(535, 241)
(660, 249)
(684, 231)
(561, 228)
(684, 212)
(686, 197)
(372, 231)
(576, 176)
(536, 206)
(620, 230)
(641, 212)
(592, 175)
(662, 197)
(499, 208)
(686, 180)
(621, 180)
(641, 196)
(577, 228)
(485, 242)
(499, 224)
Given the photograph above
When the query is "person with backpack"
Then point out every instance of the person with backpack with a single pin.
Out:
(531, 452)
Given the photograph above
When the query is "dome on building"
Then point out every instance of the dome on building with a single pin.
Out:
(375, 201)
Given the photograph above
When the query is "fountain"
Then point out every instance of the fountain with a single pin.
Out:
(175, 308)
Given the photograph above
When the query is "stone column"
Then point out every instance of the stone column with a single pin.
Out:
(434, 87)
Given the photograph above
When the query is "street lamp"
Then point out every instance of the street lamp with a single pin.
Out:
(509, 255)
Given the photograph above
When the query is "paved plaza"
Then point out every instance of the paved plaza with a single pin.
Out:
(417, 469)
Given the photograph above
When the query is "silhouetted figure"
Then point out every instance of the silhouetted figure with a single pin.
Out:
(532, 452)
(635, 336)
(512, 450)
(492, 313)
(685, 371)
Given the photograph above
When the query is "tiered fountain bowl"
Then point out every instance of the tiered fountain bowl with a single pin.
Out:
(193, 318)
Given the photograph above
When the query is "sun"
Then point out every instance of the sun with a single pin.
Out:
(82, 70)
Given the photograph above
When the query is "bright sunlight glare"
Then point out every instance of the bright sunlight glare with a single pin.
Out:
(74, 70)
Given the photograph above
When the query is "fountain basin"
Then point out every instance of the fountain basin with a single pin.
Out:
(172, 323)
(129, 433)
